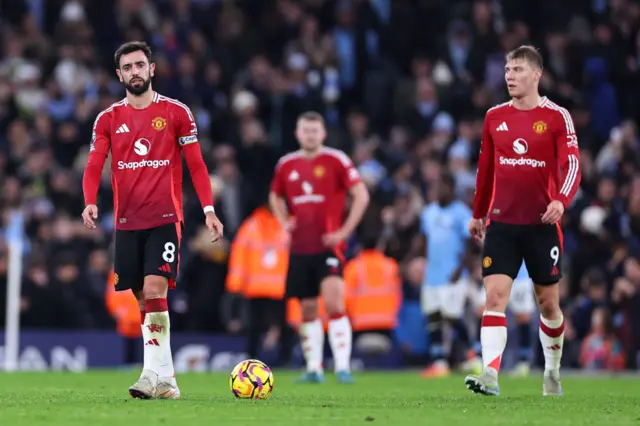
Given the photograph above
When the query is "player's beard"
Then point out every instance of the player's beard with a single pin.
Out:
(138, 90)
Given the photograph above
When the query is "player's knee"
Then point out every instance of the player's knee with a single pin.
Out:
(309, 308)
(549, 308)
(155, 287)
(497, 288)
(548, 302)
(333, 295)
(497, 300)
(523, 318)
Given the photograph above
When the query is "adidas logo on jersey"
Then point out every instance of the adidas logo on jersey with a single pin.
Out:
(123, 129)
(502, 127)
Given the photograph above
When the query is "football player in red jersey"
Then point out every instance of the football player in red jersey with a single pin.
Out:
(146, 135)
(312, 184)
(528, 174)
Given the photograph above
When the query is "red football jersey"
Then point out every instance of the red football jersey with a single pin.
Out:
(146, 161)
(528, 159)
(315, 190)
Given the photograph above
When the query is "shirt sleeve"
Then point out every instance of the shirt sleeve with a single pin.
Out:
(186, 129)
(187, 133)
(98, 151)
(349, 175)
(277, 183)
(485, 176)
(568, 153)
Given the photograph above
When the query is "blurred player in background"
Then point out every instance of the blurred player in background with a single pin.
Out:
(312, 184)
(528, 174)
(443, 223)
(146, 135)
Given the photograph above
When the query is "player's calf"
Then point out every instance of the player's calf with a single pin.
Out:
(493, 332)
(551, 334)
(340, 333)
(156, 329)
(312, 340)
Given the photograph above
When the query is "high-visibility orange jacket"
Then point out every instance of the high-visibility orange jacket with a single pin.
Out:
(373, 291)
(259, 258)
(123, 307)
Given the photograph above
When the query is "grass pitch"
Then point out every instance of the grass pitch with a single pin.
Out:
(101, 398)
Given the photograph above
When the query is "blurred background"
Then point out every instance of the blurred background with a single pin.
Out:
(403, 86)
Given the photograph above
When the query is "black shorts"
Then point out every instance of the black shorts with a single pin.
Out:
(307, 271)
(154, 251)
(540, 246)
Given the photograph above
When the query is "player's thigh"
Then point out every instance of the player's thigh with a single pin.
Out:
(431, 299)
(522, 300)
(327, 273)
(162, 251)
(454, 298)
(543, 254)
(501, 252)
(300, 278)
(128, 261)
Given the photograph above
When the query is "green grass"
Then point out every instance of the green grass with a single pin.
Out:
(101, 398)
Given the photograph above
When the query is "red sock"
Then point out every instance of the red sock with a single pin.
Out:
(156, 305)
(143, 314)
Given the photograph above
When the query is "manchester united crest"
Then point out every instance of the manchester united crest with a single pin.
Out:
(116, 278)
(159, 123)
(539, 127)
(318, 171)
(486, 262)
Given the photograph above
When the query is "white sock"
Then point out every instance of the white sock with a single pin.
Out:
(157, 344)
(493, 337)
(340, 336)
(552, 340)
(312, 339)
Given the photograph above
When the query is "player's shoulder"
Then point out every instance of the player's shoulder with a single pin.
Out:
(106, 113)
(104, 116)
(289, 159)
(560, 113)
(334, 154)
(171, 103)
(498, 109)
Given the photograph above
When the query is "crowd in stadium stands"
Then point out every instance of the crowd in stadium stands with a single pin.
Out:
(403, 85)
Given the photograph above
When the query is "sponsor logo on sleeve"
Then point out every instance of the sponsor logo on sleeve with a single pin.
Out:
(185, 140)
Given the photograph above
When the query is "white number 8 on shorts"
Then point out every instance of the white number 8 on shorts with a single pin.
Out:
(169, 253)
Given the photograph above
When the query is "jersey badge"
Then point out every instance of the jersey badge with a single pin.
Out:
(318, 171)
(486, 262)
(539, 127)
(159, 123)
(116, 279)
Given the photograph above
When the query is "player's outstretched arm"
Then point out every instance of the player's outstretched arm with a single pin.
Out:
(98, 152)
